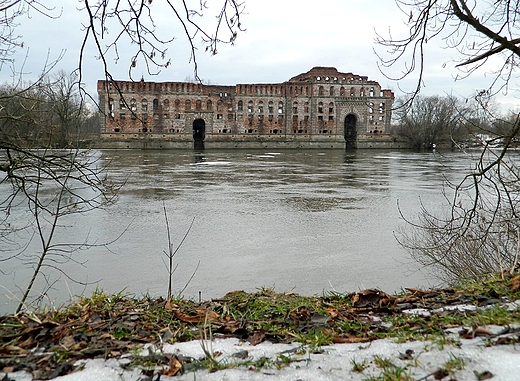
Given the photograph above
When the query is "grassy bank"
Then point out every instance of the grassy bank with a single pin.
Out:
(48, 343)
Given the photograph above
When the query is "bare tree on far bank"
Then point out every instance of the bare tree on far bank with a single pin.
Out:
(431, 121)
(479, 233)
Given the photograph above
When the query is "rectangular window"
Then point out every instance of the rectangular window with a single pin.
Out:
(219, 116)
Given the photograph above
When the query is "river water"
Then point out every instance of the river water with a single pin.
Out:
(308, 221)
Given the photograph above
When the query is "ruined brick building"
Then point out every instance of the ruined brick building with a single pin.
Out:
(321, 108)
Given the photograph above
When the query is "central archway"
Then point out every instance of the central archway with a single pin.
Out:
(350, 130)
(199, 130)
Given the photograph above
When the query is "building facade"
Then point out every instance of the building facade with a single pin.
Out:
(322, 108)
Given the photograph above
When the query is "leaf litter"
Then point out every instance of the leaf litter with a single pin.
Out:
(49, 344)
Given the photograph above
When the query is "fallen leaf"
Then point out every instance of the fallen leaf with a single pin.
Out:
(174, 366)
(372, 298)
(333, 312)
(256, 338)
(169, 305)
(203, 315)
(440, 373)
(485, 375)
(415, 291)
(515, 283)
(481, 331)
(349, 340)
(68, 342)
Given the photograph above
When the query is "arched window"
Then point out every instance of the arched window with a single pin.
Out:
(133, 104)
(321, 90)
(362, 92)
(144, 105)
(331, 91)
(240, 106)
(331, 107)
(306, 108)
(261, 107)
(270, 107)
(187, 104)
(177, 104)
(295, 108)
(155, 104)
(166, 104)
(342, 91)
(209, 105)
(198, 104)
(381, 107)
(280, 107)
(122, 105)
(371, 91)
(250, 107)
(353, 92)
(320, 107)
(219, 105)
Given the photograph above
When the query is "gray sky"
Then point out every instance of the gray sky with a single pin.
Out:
(282, 39)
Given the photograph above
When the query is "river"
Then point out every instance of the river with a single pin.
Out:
(308, 221)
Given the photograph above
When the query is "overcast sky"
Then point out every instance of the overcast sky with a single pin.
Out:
(282, 39)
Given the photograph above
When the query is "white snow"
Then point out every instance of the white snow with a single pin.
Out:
(335, 362)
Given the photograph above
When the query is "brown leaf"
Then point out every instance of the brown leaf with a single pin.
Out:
(440, 373)
(203, 315)
(485, 375)
(174, 366)
(416, 291)
(11, 349)
(256, 338)
(349, 340)
(207, 313)
(169, 305)
(481, 331)
(68, 342)
(515, 283)
(333, 312)
(372, 298)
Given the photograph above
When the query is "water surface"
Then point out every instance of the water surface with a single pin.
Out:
(307, 221)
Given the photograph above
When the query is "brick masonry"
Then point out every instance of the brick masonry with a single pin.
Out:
(321, 108)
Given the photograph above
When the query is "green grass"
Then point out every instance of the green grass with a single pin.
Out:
(315, 322)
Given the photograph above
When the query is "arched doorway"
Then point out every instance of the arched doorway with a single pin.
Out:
(199, 129)
(350, 130)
